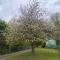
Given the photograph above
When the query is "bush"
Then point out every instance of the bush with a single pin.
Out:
(18, 46)
(4, 49)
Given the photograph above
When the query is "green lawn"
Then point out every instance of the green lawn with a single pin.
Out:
(40, 54)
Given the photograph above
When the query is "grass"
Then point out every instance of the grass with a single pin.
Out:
(40, 54)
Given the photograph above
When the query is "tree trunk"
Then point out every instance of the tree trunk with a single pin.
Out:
(33, 47)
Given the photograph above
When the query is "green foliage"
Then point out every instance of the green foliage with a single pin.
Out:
(4, 49)
(2, 31)
(19, 45)
(3, 26)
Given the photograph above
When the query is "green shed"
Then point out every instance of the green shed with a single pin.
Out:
(51, 43)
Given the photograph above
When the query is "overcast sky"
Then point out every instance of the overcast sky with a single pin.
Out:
(9, 8)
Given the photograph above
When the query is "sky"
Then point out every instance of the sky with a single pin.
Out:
(10, 8)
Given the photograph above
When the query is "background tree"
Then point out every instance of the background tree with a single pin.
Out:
(14, 36)
(3, 26)
(56, 27)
